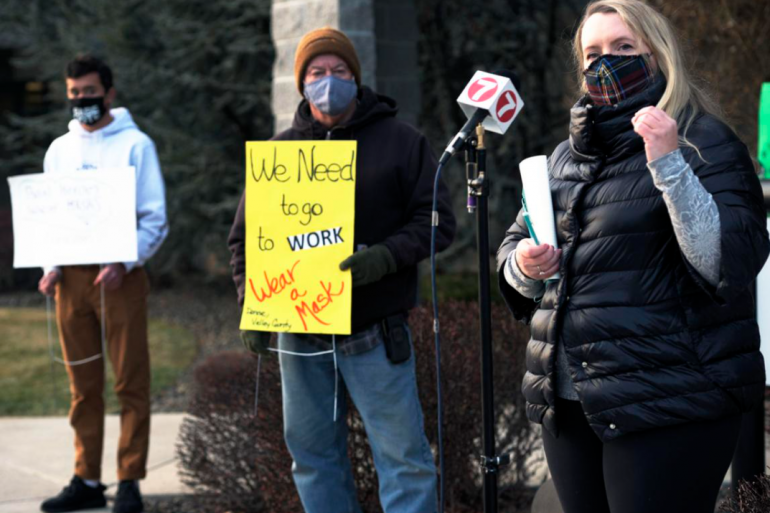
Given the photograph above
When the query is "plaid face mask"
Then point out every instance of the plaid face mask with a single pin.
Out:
(613, 78)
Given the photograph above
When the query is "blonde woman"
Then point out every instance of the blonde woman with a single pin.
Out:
(646, 351)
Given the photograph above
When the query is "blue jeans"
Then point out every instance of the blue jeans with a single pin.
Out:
(386, 397)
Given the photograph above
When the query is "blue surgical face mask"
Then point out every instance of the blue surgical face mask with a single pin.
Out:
(331, 95)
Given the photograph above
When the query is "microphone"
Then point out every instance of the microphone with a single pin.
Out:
(455, 144)
(491, 99)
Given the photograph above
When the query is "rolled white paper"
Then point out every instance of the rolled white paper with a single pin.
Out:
(763, 305)
(534, 179)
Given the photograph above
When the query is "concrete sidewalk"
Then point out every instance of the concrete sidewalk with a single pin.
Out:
(37, 458)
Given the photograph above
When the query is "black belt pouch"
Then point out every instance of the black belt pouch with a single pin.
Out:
(397, 344)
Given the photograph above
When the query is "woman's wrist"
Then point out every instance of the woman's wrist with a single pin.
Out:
(516, 269)
(668, 170)
(523, 284)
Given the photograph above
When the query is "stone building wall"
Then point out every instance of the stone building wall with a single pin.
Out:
(395, 24)
(385, 36)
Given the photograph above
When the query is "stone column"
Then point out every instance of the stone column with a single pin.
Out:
(395, 24)
(385, 36)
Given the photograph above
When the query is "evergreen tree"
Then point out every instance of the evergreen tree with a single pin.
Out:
(530, 38)
(196, 76)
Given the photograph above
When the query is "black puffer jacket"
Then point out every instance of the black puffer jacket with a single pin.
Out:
(649, 342)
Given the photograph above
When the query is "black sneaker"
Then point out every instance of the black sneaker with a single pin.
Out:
(128, 499)
(76, 496)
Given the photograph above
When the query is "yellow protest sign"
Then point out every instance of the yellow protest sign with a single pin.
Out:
(300, 206)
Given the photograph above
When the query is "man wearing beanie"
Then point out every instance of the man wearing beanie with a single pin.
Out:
(375, 366)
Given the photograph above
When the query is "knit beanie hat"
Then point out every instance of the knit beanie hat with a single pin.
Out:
(322, 41)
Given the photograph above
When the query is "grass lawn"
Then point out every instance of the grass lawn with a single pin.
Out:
(28, 386)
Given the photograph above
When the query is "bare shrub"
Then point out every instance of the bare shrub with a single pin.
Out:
(237, 462)
(461, 383)
(240, 463)
(752, 497)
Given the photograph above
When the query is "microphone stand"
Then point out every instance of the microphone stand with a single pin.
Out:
(478, 194)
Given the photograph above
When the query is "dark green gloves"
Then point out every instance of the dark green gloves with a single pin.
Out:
(256, 341)
(369, 265)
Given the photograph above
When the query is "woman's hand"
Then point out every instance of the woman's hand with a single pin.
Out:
(537, 262)
(658, 130)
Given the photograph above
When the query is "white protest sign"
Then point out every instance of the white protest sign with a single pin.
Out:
(74, 218)
(763, 312)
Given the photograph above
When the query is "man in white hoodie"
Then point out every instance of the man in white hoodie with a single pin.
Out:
(112, 296)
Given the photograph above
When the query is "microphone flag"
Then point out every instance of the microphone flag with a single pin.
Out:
(495, 94)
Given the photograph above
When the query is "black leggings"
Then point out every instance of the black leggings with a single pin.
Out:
(668, 470)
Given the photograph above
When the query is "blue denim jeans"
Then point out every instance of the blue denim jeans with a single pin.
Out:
(386, 396)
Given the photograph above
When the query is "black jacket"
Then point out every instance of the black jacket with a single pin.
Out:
(649, 342)
(394, 194)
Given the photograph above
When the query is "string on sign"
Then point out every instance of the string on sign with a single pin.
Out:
(332, 351)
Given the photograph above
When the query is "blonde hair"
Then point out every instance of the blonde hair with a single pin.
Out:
(682, 99)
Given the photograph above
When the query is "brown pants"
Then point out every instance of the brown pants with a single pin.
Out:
(79, 313)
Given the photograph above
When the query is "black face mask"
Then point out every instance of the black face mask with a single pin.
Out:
(88, 110)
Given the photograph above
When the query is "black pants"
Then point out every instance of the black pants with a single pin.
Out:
(668, 470)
